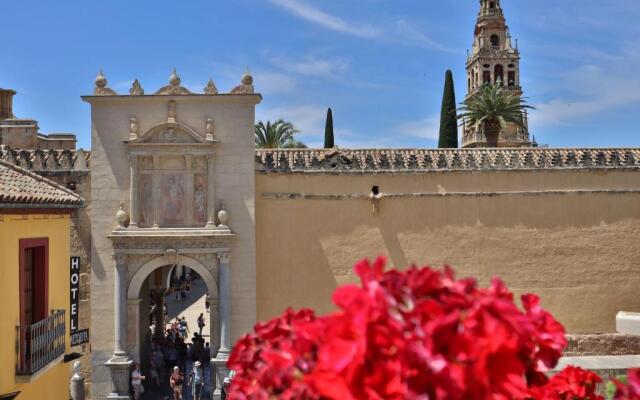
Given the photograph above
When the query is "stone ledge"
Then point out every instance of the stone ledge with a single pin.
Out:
(605, 344)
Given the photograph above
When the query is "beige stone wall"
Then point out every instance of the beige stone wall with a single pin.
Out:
(570, 235)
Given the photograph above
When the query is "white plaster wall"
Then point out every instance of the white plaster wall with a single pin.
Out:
(234, 118)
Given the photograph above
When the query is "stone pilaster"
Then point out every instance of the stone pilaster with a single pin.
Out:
(120, 363)
(220, 361)
(211, 194)
(134, 204)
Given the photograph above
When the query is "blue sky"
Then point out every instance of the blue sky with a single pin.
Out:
(378, 63)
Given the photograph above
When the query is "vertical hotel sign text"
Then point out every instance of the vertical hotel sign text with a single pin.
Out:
(75, 293)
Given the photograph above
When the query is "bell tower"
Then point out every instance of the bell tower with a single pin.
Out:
(494, 60)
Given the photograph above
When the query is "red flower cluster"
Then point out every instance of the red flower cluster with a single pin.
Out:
(417, 334)
(630, 390)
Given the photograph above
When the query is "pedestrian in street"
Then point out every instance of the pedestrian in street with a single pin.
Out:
(136, 382)
(207, 301)
(183, 328)
(201, 323)
(157, 362)
(175, 381)
(196, 380)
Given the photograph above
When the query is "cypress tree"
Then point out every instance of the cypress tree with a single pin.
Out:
(328, 131)
(448, 118)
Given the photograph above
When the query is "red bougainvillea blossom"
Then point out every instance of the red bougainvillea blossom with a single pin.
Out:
(629, 390)
(415, 334)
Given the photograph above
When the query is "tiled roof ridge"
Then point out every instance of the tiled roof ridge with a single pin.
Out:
(77, 199)
(355, 160)
(47, 160)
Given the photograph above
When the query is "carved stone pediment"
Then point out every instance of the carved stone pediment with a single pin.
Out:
(171, 132)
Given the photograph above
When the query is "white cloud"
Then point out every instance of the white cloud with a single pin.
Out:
(310, 65)
(272, 82)
(588, 91)
(326, 20)
(400, 31)
(427, 128)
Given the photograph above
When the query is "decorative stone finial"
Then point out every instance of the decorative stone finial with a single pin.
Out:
(246, 85)
(247, 79)
(122, 217)
(173, 88)
(174, 79)
(101, 81)
(210, 88)
(101, 88)
(133, 128)
(223, 218)
(209, 129)
(136, 89)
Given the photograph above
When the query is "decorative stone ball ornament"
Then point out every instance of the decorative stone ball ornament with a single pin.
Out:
(101, 88)
(133, 128)
(122, 217)
(223, 217)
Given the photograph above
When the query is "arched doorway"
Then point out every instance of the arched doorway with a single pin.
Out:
(181, 286)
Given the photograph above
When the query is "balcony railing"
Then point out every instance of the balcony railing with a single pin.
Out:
(39, 344)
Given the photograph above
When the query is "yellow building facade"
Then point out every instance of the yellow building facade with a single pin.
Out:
(35, 285)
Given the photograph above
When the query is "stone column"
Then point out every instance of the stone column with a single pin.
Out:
(120, 363)
(134, 204)
(224, 316)
(211, 194)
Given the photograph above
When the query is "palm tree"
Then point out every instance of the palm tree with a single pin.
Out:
(276, 135)
(492, 107)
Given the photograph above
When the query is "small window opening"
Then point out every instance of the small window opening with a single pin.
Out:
(498, 74)
(495, 41)
(375, 190)
(486, 77)
(492, 4)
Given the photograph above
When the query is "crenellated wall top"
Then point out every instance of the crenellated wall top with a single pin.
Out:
(424, 160)
(373, 160)
(47, 160)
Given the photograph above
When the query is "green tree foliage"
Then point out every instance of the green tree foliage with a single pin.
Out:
(279, 134)
(492, 108)
(328, 131)
(448, 121)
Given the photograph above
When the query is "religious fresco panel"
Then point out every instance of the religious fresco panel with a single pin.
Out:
(172, 199)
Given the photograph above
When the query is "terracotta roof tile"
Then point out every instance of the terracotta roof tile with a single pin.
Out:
(21, 187)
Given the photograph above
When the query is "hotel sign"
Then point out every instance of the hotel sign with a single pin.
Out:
(75, 293)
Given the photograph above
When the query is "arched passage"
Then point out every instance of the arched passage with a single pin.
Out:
(137, 280)
(137, 312)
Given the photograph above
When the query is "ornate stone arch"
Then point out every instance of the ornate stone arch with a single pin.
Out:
(181, 133)
(138, 278)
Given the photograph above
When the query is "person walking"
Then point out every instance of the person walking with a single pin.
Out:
(157, 362)
(136, 382)
(183, 328)
(175, 382)
(196, 380)
(201, 323)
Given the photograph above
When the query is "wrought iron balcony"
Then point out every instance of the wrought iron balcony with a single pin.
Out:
(39, 344)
